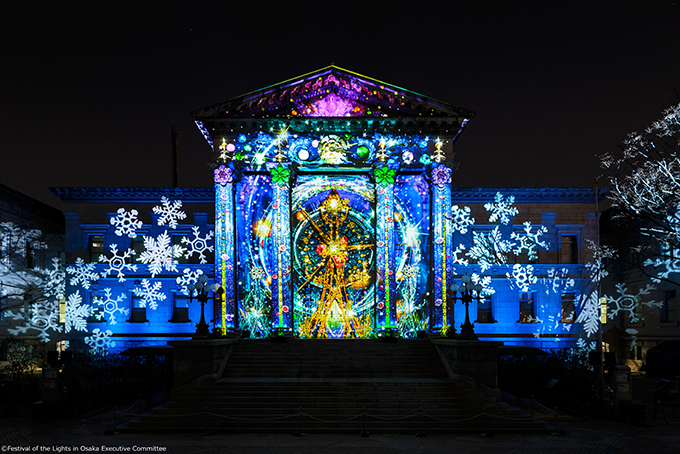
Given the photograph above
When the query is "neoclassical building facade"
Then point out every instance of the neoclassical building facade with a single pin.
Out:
(333, 212)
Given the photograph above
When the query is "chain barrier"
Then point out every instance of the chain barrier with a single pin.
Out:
(24, 411)
(544, 407)
(420, 414)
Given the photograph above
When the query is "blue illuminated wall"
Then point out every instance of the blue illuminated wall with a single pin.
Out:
(333, 212)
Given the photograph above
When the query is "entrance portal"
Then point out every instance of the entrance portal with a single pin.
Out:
(333, 249)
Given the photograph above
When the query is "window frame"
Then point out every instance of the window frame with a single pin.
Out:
(174, 318)
(574, 299)
(522, 317)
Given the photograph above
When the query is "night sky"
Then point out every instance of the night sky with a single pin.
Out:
(88, 96)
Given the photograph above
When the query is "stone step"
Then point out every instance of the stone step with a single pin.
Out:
(329, 423)
(452, 402)
(340, 386)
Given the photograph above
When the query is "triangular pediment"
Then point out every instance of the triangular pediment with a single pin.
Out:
(330, 92)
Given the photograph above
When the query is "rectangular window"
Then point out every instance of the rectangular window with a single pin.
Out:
(137, 310)
(527, 313)
(569, 249)
(484, 311)
(667, 313)
(180, 308)
(568, 307)
(137, 245)
(62, 310)
(96, 247)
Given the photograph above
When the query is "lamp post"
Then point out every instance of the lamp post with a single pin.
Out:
(202, 290)
(467, 329)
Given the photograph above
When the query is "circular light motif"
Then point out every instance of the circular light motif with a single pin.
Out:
(422, 144)
(242, 138)
(231, 147)
(363, 151)
(303, 154)
(315, 143)
(407, 157)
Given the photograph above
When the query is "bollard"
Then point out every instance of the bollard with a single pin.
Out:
(300, 433)
(205, 420)
(364, 433)
(421, 432)
(555, 430)
(115, 420)
(483, 434)
(532, 405)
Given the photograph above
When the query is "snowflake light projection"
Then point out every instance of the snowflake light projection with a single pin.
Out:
(54, 281)
(557, 281)
(490, 249)
(118, 263)
(100, 341)
(198, 245)
(529, 241)
(126, 223)
(461, 218)
(42, 318)
(522, 277)
(502, 209)
(665, 266)
(170, 212)
(595, 267)
(485, 282)
(455, 259)
(150, 294)
(83, 273)
(110, 305)
(75, 313)
(589, 313)
(160, 253)
(630, 303)
(189, 277)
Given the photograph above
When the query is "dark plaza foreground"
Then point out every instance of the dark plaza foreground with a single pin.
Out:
(573, 436)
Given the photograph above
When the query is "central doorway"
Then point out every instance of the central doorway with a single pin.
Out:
(333, 256)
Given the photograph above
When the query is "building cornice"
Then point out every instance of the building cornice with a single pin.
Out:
(528, 195)
(132, 194)
(207, 194)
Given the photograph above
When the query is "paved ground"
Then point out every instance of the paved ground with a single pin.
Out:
(576, 436)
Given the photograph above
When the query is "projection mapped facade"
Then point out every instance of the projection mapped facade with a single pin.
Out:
(332, 215)
(330, 191)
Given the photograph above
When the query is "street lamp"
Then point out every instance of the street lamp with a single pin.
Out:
(467, 329)
(202, 290)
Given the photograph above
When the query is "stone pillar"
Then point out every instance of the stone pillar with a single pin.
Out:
(282, 314)
(443, 245)
(386, 300)
(224, 245)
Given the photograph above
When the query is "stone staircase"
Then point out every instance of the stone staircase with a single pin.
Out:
(334, 385)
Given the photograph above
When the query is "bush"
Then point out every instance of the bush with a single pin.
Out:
(21, 357)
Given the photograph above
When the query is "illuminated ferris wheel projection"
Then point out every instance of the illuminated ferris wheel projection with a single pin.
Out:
(333, 259)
